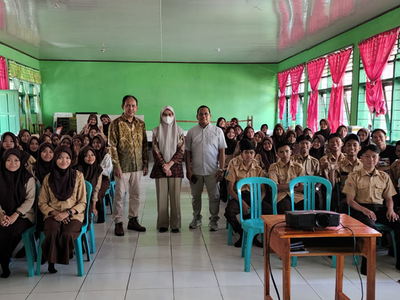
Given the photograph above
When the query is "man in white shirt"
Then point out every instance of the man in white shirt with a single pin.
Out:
(205, 157)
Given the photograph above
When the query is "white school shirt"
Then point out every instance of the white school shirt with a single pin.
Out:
(204, 143)
(106, 164)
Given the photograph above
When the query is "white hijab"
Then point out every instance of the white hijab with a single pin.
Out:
(167, 136)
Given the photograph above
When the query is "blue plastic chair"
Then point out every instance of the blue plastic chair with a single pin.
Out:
(254, 225)
(91, 236)
(77, 242)
(29, 240)
(309, 183)
(110, 192)
(228, 226)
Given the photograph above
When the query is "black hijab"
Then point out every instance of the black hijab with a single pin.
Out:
(105, 126)
(33, 153)
(42, 138)
(276, 138)
(268, 157)
(3, 136)
(230, 143)
(12, 184)
(23, 145)
(41, 167)
(102, 151)
(90, 172)
(367, 140)
(52, 139)
(326, 132)
(62, 182)
(318, 153)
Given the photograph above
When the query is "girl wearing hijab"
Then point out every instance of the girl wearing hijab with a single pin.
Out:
(17, 196)
(291, 138)
(325, 130)
(308, 131)
(92, 173)
(43, 164)
(44, 138)
(104, 159)
(91, 122)
(106, 121)
(168, 149)
(62, 200)
(231, 144)
(299, 130)
(55, 139)
(278, 134)
(364, 136)
(318, 146)
(77, 142)
(24, 136)
(66, 140)
(268, 152)
(342, 131)
(86, 140)
(221, 123)
(33, 146)
(49, 130)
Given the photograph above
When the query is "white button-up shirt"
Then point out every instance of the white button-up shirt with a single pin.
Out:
(204, 143)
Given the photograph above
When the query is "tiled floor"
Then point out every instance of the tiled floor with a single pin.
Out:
(193, 265)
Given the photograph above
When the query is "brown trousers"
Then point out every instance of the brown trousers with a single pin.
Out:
(59, 241)
(10, 236)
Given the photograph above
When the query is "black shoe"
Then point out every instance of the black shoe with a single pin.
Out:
(175, 230)
(163, 229)
(119, 230)
(134, 225)
(238, 243)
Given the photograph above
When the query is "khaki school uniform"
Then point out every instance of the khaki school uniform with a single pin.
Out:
(346, 167)
(395, 173)
(332, 172)
(310, 164)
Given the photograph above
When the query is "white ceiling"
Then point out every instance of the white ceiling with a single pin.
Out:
(228, 31)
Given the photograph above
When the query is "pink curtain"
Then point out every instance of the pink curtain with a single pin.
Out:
(319, 18)
(314, 71)
(295, 77)
(282, 80)
(375, 53)
(284, 36)
(337, 65)
(298, 30)
(3, 74)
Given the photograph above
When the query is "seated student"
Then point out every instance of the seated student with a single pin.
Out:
(44, 138)
(24, 136)
(62, 200)
(43, 164)
(33, 146)
(91, 122)
(299, 130)
(55, 139)
(268, 153)
(258, 138)
(77, 142)
(86, 140)
(395, 176)
(291, 138)
(92, 173)
(318, 146)
(387, 155)
(104, 159)
(264, 128)
(221, 123)
(325, 128)
(364, 136)
(238, 132)
(49, 130)
(278, 134)
(106, 121)
(309, 163)
(342, 131)
(308, 131)
(71, 132)
(369, 193)
(350, 164)
(17, 196)
(241, 167)
(93, 131)
(66, 140)
(234, 122)
(282, 172)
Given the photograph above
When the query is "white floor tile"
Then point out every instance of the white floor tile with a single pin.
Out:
(201, 263)
(52, 296)
(158, 264)
(151, 294)
(101, 295)
(106, 282)
(205, 293)
(189, 279)
(113, 265)
(150, 280)
(242, 292)
(234, 278)
(153, 252)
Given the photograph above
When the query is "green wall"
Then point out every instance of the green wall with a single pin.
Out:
(228, 89)
(18, 57)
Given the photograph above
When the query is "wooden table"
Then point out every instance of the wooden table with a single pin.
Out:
(280, 244)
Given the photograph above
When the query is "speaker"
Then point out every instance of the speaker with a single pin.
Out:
(311, 218)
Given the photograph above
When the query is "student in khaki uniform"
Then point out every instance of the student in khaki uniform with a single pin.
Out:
(350, 164)
(394, 173)
(282, 172)
(369, 194)
(240, 167)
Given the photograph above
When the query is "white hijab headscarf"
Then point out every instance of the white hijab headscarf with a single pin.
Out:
(167, 136)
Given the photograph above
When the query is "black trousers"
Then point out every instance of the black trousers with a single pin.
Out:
(10, 236)
(286, 205)
(233, 209)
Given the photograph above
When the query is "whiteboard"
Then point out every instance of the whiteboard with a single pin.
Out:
(81, 120)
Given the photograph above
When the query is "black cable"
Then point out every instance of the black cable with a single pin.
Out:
(269, 260)
(354, 259)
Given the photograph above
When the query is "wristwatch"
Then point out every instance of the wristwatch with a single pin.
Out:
(221, 170)
(19, 213)
(69, 213)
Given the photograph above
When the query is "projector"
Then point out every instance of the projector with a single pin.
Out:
(311, 218)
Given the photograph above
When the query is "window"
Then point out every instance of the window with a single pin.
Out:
(391, 91)
(287, 117)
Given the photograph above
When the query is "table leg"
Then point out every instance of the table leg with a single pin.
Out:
(286, 270)
(370, 243)
(267, 287)
(339, 278)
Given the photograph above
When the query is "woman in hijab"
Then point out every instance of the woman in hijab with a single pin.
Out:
(104, 159)
(33, 146)
(86, 140)
(24, 136)
(268, 152)
(91, 122)
(49, 130)
(77, 142)
(44, 138)
(168, 149)
(221, 123)
(43, 164)
(291, 138)
(55, 139)
(92, 173)
(66, 140)
(325, 130)
(62, 200)
(299, 130)
(105, 123)
(17, 196)
(364, 136)
(230, 143)
(278, 134)
(9, 141)
(308, 131)
(318, 146)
